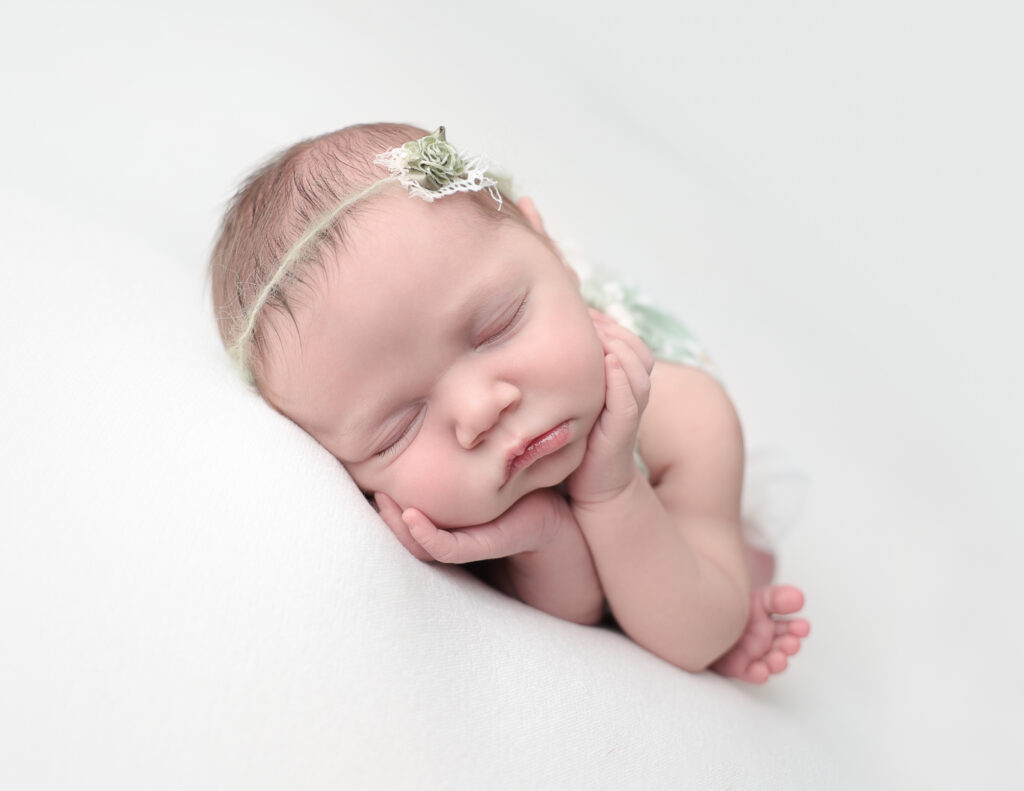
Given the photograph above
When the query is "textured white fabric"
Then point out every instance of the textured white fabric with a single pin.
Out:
(839, 220)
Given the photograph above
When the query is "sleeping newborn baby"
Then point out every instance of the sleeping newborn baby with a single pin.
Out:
(380, 289)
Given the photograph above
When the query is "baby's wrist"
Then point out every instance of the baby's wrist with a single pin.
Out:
(608, 498)
(549, 512)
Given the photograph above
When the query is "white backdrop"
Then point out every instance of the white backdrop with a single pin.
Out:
(830, 194)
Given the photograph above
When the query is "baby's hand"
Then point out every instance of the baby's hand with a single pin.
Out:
(608, 466)
(526, 526)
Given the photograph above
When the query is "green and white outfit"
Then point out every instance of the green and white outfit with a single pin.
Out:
(666, 336)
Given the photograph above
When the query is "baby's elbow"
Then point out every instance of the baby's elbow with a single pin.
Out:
(586, 608)
(589, 614)
(690, 657)
(697, 655)
(734, 627)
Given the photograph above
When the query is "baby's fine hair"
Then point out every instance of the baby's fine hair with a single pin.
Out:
(279, 203)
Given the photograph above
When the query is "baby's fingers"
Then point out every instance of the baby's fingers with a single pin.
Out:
(636, 371)
(609, 329)
(622, 412)
(637, 374)
(460, 545)
(392, 516)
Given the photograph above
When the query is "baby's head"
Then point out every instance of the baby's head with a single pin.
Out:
(440, 350)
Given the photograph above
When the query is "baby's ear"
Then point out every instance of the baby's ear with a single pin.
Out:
(531, 214)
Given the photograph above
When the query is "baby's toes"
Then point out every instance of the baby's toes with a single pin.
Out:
(776, 661)
(783, 599)
(797, 627)
(788, 644)
(757, 673)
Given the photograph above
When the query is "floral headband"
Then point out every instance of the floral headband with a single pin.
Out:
(432, 168)
(428, 168)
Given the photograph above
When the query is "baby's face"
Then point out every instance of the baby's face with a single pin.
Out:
(435, 352)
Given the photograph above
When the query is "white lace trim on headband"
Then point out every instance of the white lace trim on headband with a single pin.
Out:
(432, 168)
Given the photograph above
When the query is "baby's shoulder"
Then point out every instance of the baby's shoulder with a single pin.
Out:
(689, 419)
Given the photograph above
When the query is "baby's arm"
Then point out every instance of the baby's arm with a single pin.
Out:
(536, 550)
(668, 552)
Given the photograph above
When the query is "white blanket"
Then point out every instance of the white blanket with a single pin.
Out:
(193, 594)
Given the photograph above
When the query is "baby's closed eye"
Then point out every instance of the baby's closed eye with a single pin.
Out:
(507, 323)
(405, 432)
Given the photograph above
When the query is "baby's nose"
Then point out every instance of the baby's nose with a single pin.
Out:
(481, 410)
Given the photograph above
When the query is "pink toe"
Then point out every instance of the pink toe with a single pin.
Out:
(788, 644)
(783, 599)
(757, 673)
(776, 661)
(796, 626)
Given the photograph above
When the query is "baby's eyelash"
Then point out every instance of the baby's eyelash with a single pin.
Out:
(509, 326)
(393, 447)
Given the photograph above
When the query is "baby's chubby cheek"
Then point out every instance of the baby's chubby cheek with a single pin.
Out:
(447, 499)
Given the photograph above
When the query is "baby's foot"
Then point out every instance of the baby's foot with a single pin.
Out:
(761, 564)
(768, 641)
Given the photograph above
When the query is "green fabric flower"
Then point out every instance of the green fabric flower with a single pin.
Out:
(433, 162)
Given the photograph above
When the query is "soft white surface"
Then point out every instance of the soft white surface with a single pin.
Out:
(191, 593)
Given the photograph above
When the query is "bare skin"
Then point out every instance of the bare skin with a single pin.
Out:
(542, 552)
(487, 344)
